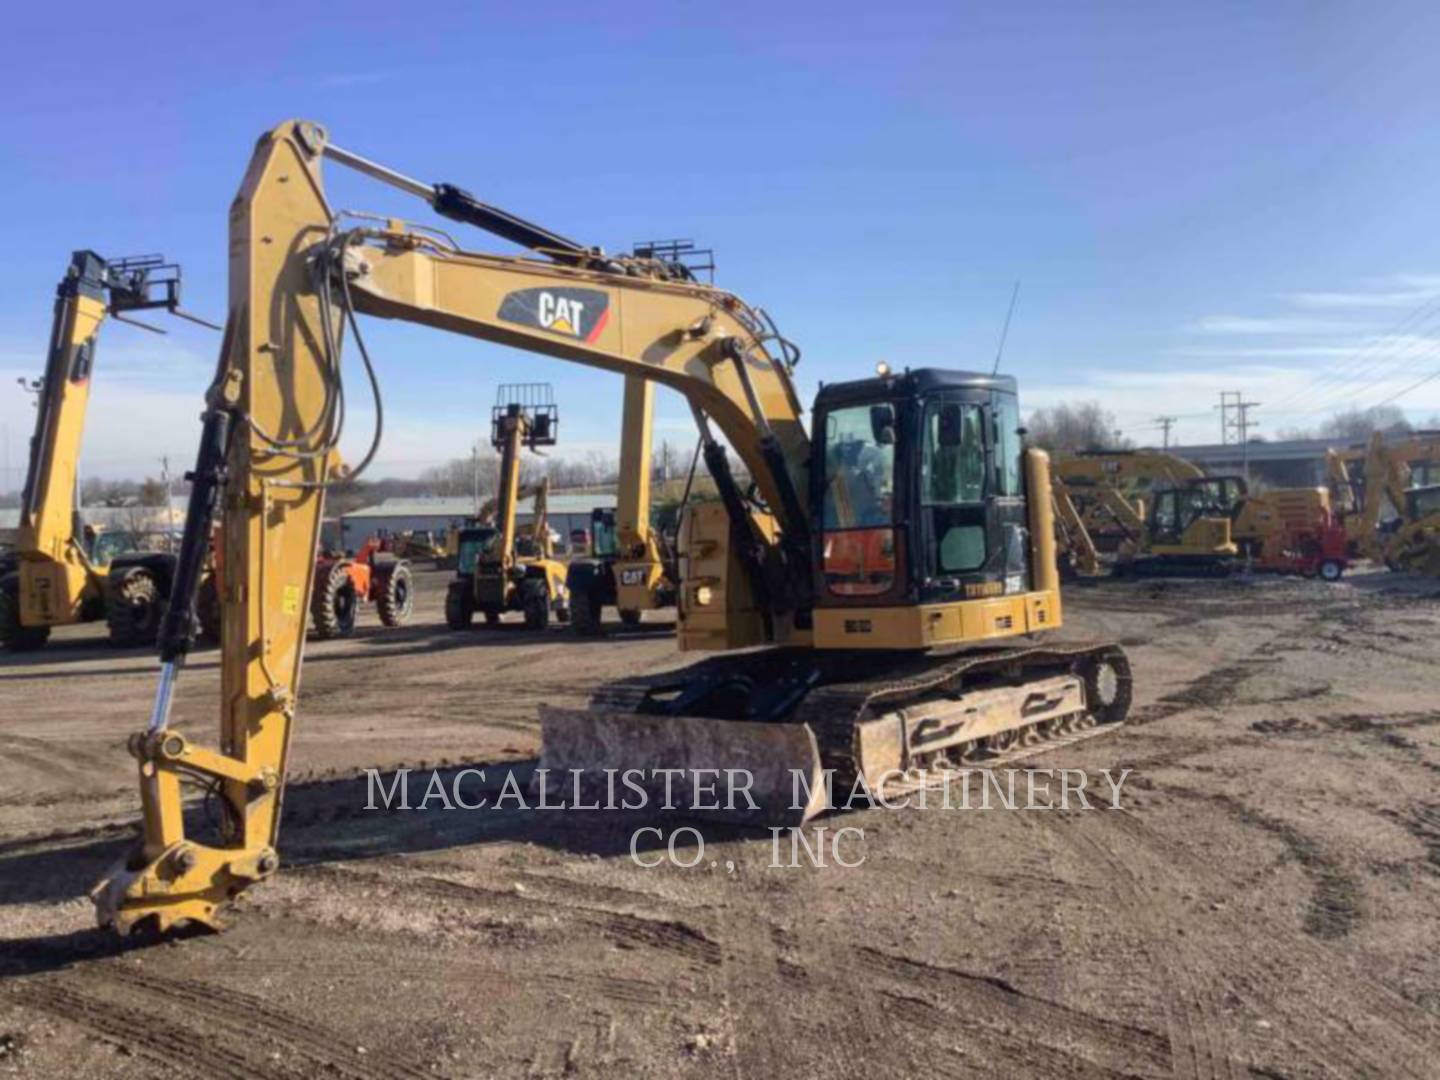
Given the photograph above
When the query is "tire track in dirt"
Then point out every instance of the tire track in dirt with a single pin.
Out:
(1334, 908)
(1036, 1035)
(178, 1050)
(251, 1020)
(1273, 972)
(623, 929)
(1199, 1048)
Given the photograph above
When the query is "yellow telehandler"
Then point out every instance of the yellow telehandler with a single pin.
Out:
(59, 574)
(497, 569)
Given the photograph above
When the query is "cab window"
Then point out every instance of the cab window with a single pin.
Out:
(858, 554)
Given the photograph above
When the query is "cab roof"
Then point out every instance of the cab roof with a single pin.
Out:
(911, 383)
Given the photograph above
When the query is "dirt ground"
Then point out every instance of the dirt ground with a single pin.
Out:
(1265, 903)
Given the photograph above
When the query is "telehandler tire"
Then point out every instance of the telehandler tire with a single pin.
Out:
(15, 635)
(396, 596)
(333, 605)
(459, 606)
(585, 612)
(535, 602)
(133, 608)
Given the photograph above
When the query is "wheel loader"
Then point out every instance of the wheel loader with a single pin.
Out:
(498, 570)
(871, 596)
(57, 575)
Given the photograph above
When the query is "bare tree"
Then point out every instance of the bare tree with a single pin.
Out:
(1085, 425)
(154, 493)
(1357, 425)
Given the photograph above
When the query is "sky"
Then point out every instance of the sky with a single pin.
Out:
(1194, 198)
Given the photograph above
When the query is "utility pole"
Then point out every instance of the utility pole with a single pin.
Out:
(165, 482)
(475, 472)
(1164, 423)
(1235, 425)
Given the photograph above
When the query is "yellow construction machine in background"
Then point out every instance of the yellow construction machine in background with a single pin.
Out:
(57, 574)
(631, 567)
(497, 569)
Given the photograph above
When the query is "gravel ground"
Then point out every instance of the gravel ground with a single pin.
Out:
(1264, 903)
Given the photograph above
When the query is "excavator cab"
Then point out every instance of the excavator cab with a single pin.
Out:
(919, 491)
(1422, 502)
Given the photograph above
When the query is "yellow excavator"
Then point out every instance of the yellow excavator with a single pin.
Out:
(1392, 522)
(1110, 489)
(498, 570)
(1156, 513)
(57, 574)
(632, 567)
(881, 578)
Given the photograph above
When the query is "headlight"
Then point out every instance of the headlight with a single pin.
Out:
(703, 595)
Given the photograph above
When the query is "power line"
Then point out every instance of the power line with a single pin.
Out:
(1357, 366)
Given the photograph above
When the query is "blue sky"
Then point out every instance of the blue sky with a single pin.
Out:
(1194, 197)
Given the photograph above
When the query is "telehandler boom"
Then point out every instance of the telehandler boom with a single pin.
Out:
(905, 524)
(55, 577)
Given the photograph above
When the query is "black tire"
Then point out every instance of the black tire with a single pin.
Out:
(535, 602)
(207, 610)
(630, 616)
(585, 611)
(333, 604)
(15, 635)
(1332, 570)
(133, 608)
(459, 606)
(396, 599)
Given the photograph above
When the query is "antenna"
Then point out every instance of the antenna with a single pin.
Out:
(1005, 331)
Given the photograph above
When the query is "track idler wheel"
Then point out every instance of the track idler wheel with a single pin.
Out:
(1108, 689)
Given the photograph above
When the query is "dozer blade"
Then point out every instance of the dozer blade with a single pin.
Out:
(762, 774)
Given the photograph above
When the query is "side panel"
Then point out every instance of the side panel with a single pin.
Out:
(933, 625)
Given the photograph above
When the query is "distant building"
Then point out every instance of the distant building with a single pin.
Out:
(1283, 463)
(566, 512)
(1287, 463)
(114, 518)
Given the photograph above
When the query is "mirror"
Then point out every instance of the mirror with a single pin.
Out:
(951, 424)
(882, 424)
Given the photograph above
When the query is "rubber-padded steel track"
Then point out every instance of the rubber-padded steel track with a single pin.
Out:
(852, 687)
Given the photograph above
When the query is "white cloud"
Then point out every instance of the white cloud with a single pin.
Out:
(1395, 291)
(1282, 324)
